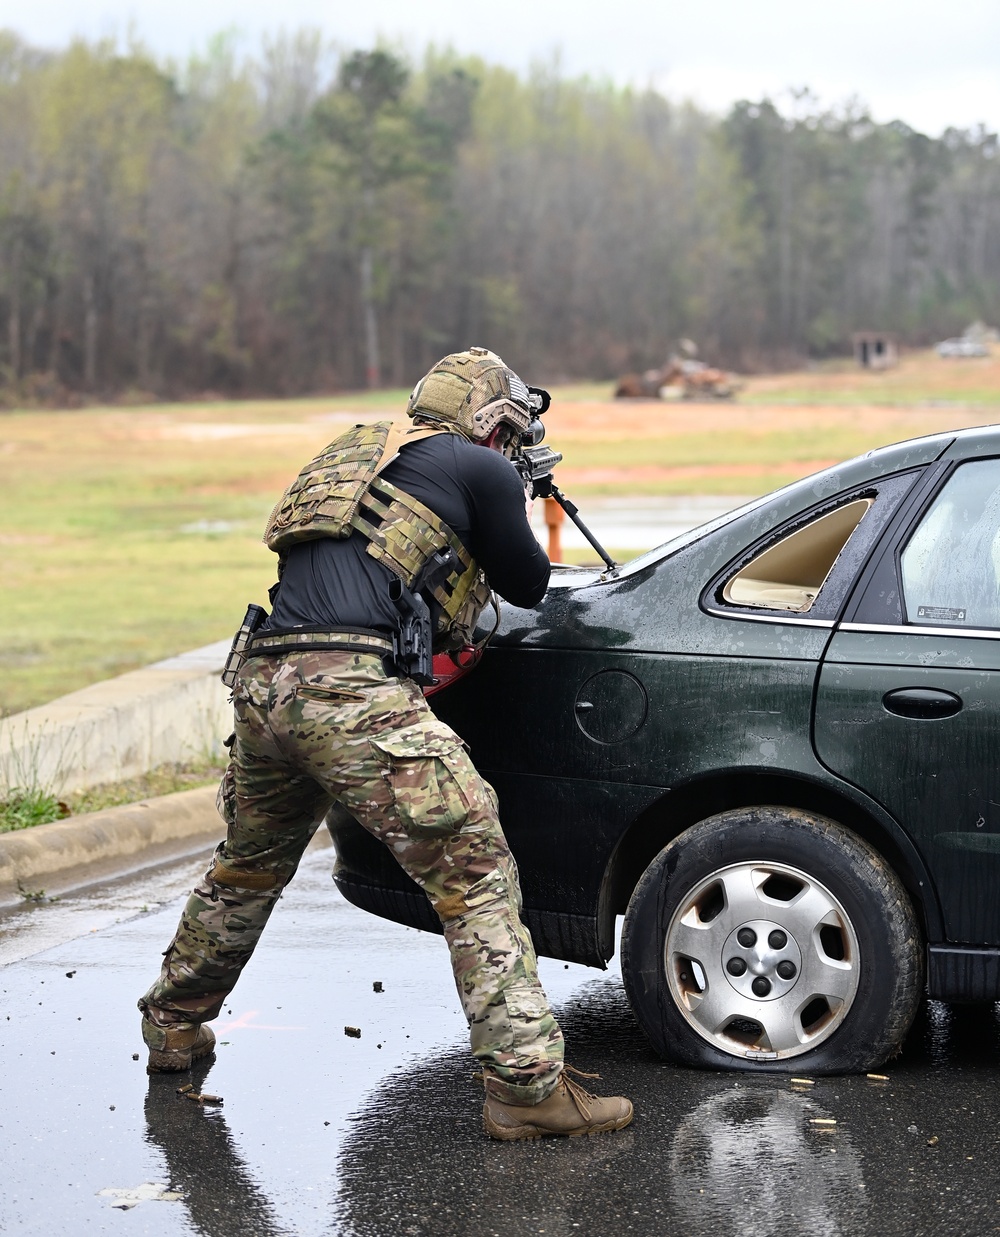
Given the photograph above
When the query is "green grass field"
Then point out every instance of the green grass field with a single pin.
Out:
(923, 379)
(131, 534)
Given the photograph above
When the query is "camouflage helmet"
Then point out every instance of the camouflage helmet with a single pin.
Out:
(475, 392)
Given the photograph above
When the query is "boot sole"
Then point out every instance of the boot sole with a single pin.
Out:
(519, 1133)
(177, 1060)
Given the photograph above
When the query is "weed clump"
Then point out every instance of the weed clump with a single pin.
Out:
(23, 808)
(20, 808)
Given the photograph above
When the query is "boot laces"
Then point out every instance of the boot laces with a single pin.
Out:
(581, 1097)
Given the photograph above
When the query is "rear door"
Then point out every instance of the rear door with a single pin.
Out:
(908, 701)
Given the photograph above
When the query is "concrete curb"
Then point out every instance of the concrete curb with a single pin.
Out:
(107, 732)
(118, 840)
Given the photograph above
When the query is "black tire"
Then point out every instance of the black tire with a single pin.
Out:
(840, 993)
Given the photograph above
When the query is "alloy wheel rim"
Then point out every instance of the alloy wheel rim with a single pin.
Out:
(762, 960)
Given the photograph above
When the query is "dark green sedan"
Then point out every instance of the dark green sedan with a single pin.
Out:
(771, 744)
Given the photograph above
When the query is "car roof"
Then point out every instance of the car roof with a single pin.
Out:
(977, 440)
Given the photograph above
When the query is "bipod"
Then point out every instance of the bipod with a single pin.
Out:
(573, 512)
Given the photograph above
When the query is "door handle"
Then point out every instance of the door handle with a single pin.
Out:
(923, 703)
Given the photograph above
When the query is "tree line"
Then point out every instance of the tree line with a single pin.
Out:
(298, 220)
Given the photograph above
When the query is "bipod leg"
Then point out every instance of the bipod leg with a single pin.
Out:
(572, 511)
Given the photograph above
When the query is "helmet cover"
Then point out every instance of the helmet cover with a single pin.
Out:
(475, 392)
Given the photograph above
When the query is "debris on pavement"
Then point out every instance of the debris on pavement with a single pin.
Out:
(377, 986)
(188, 1092)
(353, 1032)
(149, 1191)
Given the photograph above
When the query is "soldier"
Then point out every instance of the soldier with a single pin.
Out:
(326, 714)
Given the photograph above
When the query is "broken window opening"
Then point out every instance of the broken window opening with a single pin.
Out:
(789, 575)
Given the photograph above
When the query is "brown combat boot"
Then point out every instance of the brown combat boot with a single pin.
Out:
(174, 1048)
(568, 1110)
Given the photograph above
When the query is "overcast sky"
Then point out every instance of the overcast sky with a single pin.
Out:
(922, 61)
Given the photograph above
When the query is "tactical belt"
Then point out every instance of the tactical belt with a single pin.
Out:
(346, 638)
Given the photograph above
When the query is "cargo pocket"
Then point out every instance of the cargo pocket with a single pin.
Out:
(530, 1023)
(434, 785)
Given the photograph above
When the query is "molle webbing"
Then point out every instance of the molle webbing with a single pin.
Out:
(402, 534)
(323, 499)
(312, 507)
(346, 640)
(340, 492)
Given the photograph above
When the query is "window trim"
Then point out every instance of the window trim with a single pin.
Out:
(915, 629)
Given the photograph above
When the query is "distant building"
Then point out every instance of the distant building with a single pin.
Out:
(875, 349)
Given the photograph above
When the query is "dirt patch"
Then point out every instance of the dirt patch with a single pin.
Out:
(654, 419)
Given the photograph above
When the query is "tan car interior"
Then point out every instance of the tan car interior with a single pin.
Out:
(790, 574)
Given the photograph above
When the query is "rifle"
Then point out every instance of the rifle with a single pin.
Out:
(536, 463)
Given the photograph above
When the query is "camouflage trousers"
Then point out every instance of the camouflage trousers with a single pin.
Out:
(317, 729)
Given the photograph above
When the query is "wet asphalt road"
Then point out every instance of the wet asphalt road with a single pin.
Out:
(378, 1136)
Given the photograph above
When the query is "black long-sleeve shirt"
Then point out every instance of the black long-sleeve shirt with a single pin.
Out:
(478, 494)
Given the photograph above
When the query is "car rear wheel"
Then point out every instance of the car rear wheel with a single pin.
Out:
(771, 939)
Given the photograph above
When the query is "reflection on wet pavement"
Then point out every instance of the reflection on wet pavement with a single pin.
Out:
(719, 1154)
(321, 1133)
(220, 1193)
(44, 921)
(768, 1152)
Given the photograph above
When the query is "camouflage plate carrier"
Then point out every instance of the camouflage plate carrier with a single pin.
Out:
(340, 492)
